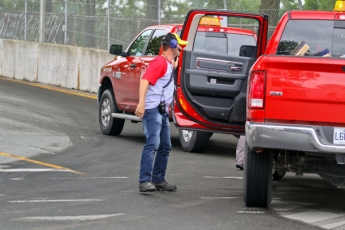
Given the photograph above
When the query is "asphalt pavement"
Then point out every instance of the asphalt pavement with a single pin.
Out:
(57, 171)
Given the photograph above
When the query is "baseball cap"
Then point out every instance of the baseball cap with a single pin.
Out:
(169, 36)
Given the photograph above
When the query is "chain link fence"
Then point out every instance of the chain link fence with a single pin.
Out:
(99, 23)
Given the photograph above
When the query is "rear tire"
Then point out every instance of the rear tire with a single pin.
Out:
(194, 141)
(108, 124)
(278, 175)
(257, 186)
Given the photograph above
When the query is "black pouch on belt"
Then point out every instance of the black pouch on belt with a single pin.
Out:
(161, 107)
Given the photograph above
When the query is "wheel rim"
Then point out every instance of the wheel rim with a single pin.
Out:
(105, 112)
(187, 135)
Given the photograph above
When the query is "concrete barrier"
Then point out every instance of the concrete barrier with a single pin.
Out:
(53, 64)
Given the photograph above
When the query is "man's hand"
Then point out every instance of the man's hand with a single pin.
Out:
(140, 111)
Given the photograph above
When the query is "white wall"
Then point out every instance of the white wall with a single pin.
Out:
(59, 65)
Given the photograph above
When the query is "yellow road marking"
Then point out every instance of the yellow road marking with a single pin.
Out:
(54, 88)
(39, 162)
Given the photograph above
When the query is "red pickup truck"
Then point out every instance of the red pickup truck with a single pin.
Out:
(118, 91)
(289, 96)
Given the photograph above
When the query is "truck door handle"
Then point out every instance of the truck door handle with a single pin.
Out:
(133, 65)
(344, 68)
(235, 68)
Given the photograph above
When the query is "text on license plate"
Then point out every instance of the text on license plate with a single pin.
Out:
(339, 136)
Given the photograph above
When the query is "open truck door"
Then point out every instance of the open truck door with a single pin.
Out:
(211, 82)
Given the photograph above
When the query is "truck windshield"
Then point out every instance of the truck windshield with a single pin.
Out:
(312, 38)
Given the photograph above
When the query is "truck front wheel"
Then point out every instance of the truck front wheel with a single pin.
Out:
(108, 124)
(257, 186)
(194, 141)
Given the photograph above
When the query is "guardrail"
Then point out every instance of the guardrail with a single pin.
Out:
(53, 64)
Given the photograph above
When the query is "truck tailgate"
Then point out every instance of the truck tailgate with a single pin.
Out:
(305, 89)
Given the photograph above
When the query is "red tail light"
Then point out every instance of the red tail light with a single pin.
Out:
(340, 16)
(256, 91)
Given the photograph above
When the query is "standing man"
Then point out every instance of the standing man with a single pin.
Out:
(155, 95)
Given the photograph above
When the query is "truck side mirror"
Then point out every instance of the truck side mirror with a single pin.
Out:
(117, 50)
(248, 51)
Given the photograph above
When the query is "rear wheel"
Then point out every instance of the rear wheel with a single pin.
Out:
(277, 175)
(194, 141)
(257, 186)
(108, 124)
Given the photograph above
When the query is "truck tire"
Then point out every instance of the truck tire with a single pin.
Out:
(108, 124)
(257, 184)
(194, 141)
(277, 175)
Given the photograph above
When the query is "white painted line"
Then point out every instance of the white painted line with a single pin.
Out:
(39, 162)
(4, 166)
(35, 170)
(114, 177)
(215, 198)
(253, 208)
(68, 218)
(333, 225)
(47, 201)
(18, 178)
(223, 177)
(64, 178)
(251, 212)
(310, 217)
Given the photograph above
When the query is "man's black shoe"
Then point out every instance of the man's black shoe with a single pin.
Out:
(147, 187)
(165, 186)
(239, 166)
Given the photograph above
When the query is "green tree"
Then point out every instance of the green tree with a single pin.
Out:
(90, 23)
(326, 5)
(49, 6)
(311, 5)
(288, 5)
(271, 8)
(151, 12)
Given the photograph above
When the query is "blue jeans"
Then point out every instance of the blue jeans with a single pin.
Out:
(154, 158)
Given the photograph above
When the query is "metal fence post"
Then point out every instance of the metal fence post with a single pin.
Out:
(26, 12)
(159, 12)
(42, 18)
(108, 15)
(66, 13)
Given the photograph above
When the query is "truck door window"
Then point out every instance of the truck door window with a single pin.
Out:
(235, 42)
(211, 42)
(137, 46)
(155, 42)
(225, 37)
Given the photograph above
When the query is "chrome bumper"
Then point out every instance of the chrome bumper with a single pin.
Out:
(300, 138)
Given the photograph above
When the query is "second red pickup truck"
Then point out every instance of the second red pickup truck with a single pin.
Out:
(289, 96)
(118, 91)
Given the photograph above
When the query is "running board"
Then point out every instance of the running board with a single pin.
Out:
(126, 116)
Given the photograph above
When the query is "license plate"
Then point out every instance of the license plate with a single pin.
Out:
(339, 136)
